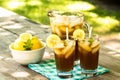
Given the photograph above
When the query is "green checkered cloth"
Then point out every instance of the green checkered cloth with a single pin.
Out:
(48, 69)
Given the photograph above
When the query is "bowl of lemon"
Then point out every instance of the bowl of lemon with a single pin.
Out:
(27, 49)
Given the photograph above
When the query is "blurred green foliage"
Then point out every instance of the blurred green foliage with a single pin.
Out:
(104, 21)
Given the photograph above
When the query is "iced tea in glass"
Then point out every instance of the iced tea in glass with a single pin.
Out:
(88, 50)
(64, 57)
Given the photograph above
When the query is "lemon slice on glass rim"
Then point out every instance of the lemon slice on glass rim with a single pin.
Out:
(25, 36)
(52, 40)
(79, 34)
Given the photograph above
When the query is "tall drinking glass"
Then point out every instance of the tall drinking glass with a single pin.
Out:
(64, 57)
(88, 50)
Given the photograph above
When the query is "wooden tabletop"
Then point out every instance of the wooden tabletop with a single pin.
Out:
(12, 25)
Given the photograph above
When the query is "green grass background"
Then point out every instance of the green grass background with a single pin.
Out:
(103, 21)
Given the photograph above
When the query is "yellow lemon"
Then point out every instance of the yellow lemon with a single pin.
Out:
(36, 43)
(25, 36)
(18, 45)
(79, 34)
(52, 40)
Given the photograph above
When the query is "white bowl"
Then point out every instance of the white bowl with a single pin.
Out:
(27, 57)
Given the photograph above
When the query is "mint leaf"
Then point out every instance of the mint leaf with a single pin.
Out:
(28, 45)
(90, 40)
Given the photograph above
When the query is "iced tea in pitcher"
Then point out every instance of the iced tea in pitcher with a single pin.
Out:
(59, 20)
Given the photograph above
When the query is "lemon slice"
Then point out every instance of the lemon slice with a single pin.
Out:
(79, 34)
(52, 40)
(25, 36)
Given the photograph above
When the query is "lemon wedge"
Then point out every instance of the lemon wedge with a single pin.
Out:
(25, 36)
(52, 40)
(79, 34)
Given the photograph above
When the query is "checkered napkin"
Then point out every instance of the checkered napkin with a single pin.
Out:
(48, 69)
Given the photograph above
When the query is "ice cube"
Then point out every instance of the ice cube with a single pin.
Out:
(59, 44)
(53, 28)
(77, 26)
(58, 51)
(95, 43)
(75, 21)
(71, 29)
(95, 49)
(62, 28)
(69, 44)
(58, 31)
(61, 20)
(58, 20)
(73, 17)
(85, 46)
(70, 52)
